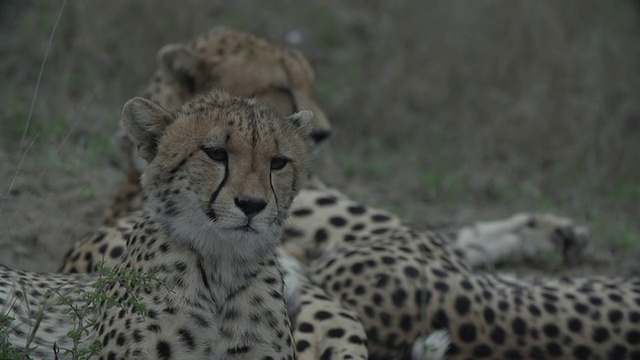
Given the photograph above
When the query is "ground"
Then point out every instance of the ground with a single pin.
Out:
(445, 113)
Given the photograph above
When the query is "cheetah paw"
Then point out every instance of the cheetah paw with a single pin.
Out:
(431, 346)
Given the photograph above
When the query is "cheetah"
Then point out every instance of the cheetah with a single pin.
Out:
(315, 220)
(404, 284)
(222, 172)
(238, 62)
(247, 65)
(321, 220)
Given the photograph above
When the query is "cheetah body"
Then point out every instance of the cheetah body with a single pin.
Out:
(221, 176)
(404, 284)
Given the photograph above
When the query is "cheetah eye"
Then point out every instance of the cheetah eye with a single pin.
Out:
(279, 162)
(216, 153)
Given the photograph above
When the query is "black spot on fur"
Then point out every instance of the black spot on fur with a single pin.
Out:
(238, 350)
(301, 212)
(326, 355)
(482, 351)
(116, 252)
(513, 354)
(498, 335)
(489, 315)
(406, 322)
(574, 324)
(411, 272)
(399, 297)
(380, 218)
(551, 330)
(336, 333)
(164, 350)
(388, 260)
(633, 337)
(537, 353)
(380, 231)
(554, 349)
(581, 308)
(440, 320)
(618, 352)
(302, 345)
(121, 339)
(534, 310)
(600, 334)
(321, 236)
(356, 209)
(186, 339)
(581, 352)
(467, 332)
(441, 286)
(357, 268)
(338, 221)
(615, 316)
(462, 305)
(550, 308)
(323, 315)
(324, 201)
(103, 248)
(305, 327)
(466, 285)
(519, 326)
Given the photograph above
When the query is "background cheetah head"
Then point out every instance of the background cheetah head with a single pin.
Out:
(240, 63)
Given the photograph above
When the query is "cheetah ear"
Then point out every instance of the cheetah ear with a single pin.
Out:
(302, 122)
(184, 64)
(144, 122)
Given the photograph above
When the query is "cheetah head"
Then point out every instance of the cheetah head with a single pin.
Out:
(222, 170)
(242, 64)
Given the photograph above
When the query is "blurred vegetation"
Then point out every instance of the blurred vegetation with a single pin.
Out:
(530, 105)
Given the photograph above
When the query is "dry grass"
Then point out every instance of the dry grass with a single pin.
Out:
(506, 104)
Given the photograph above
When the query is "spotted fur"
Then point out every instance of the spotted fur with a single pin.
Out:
(222, 173)
(404, 284)
(321, 220)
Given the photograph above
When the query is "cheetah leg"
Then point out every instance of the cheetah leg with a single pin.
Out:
(521, 236)
(322, 327)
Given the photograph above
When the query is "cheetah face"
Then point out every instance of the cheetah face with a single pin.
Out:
(222, 171)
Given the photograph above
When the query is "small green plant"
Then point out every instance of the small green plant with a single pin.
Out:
(7, 351)
(443, 183)
(91, 301)
(82, 308)
(551, 261)
(366, 168)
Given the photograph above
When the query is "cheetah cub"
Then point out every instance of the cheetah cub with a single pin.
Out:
(222, 173)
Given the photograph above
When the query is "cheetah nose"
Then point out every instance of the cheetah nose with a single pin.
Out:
(250, 206)
(320, 135)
